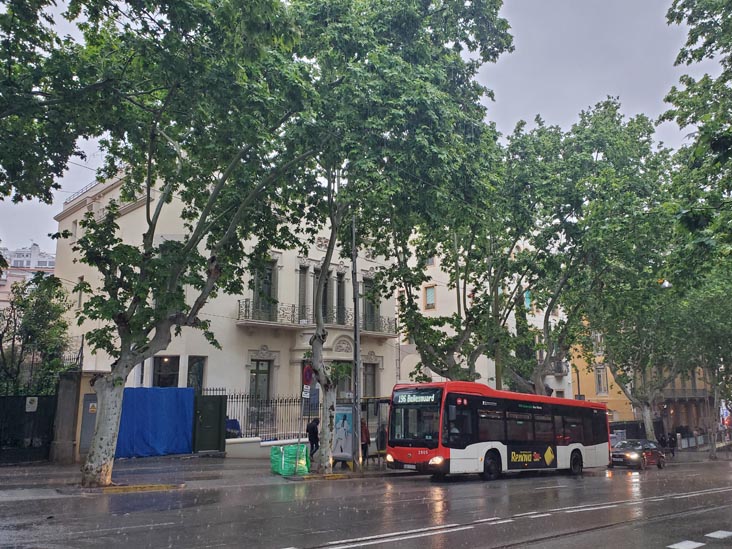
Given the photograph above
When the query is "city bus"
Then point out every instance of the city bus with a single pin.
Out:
(464, 427)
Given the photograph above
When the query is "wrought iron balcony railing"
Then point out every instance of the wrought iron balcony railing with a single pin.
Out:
(295, 315)
(674, 393)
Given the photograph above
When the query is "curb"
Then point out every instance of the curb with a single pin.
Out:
(123, 489)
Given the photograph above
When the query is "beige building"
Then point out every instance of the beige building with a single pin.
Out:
(263, 341)
(437, 299)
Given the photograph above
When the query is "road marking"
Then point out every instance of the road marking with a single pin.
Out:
(686, 545)
(525, 514)
(486, 520)
(719, 534)
(136, 527)
(542, 515)
(502, 521)
(551, 487)
(380, 536)
(591, 508)
(402, 538)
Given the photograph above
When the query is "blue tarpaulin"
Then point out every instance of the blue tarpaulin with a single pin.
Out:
(156, 421)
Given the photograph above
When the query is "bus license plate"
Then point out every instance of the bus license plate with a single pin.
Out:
(410, 466)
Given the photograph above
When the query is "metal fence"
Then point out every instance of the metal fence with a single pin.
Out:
(284, 417)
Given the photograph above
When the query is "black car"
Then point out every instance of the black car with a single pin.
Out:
(637, 453)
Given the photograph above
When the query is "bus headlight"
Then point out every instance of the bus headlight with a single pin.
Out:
(389, 458)
(437, 460)
(632, 455)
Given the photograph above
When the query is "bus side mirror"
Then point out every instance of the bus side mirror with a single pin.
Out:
(451, 412)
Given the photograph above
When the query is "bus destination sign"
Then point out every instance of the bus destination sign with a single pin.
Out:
(417, 397)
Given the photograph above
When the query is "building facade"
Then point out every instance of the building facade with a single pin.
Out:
(264, 333)
(23, 263)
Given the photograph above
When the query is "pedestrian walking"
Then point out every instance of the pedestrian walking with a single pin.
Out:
(662, 440)
(672, 444)
(313, 437)
(365, 440)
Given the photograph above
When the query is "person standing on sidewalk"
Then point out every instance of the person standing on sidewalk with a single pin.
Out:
(365, 440)
(313, 437)
(672, 444)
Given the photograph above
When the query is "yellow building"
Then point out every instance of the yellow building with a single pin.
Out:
(597, 384)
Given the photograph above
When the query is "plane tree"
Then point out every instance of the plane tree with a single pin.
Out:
(394, 97)
(206, 135)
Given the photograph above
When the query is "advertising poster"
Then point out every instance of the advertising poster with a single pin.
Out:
(343, 438)
(534, 456)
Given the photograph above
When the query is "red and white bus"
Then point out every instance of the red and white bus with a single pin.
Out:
(466, 427)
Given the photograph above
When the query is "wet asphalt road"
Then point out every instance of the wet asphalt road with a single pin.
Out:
(619, 508)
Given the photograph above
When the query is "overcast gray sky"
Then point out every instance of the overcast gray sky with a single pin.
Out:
(570, 54)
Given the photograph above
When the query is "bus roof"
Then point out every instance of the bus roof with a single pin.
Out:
(471, 387)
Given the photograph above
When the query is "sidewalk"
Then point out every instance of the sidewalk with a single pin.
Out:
(163, 473)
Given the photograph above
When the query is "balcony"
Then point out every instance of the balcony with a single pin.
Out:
(286, 315)
(557, 369)
(684, 394)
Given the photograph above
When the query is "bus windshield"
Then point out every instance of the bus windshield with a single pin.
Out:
(415, 418)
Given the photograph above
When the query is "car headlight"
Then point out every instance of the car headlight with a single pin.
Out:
(389, 458)
(632, 455)
(437, 460)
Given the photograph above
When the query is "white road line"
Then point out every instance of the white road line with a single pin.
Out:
(542, 515)
(136, 527)
(591, 508)
(719, 534)
(551, 487)
(505, 521)
(486, 520)
(686, 545)
(525, 514)
(402, 538)
(380, 536)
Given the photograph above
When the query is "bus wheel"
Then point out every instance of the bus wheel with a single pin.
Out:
(575, 463)
(491, 466)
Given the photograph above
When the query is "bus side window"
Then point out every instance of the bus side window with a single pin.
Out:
(599, 427)
(559, 430)
(543, 428)
(491, 426)
(573, 429)
(587, 427)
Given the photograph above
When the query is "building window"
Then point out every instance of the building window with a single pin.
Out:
(43, 263)
(259, 379)
(429, 297)
(600, 380)
(341, 299)
(196, 365)
(430, 261)
(79, 293)
(560, 394)
(74, 228)
(327, 298)
(165, 371)
(370, 308)
(141, 366)
(369, 380)
(302, 297)
(265, 294)
(345, 381)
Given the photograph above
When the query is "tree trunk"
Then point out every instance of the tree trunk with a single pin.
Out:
(329, 401)
(648, 421)
(538, 379)
(97, 468)
(713, 420)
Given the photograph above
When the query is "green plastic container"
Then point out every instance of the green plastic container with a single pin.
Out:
(284, 460)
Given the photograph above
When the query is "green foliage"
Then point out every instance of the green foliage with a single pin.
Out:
(33, 336)
(704, 105)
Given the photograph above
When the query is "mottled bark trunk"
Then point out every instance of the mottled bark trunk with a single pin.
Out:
(97, 468)
(327, 423)
(713, 421)
(647, 421)
(538, 379)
